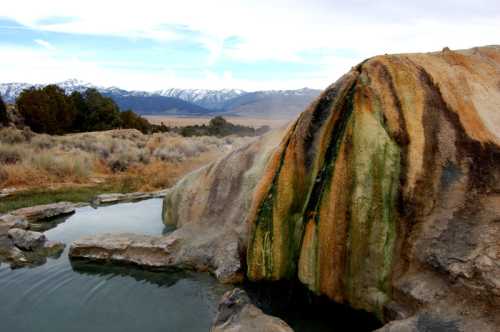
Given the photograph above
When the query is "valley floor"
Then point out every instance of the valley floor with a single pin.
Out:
(181, 121)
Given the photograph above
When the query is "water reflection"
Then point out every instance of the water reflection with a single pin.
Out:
(166, 278)
(77, 296)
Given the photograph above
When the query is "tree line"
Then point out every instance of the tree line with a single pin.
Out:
(220, 127)
(50, 110)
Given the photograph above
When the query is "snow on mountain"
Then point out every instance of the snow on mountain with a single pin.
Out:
(212, 99)
(279, 103)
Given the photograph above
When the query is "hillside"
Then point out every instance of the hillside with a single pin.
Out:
(281, 104)
(157, 105)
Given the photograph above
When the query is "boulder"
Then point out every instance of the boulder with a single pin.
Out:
(8, 221)
(22, 248)
(27, 240)
(236, 313)
(45, 212)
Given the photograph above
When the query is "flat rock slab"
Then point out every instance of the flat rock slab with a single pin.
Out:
(180, 249)
(236, 313)
(130, 197)
(7, 192)
(143, 250)
(47, 211)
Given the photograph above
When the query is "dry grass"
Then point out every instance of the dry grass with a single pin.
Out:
(141, 162)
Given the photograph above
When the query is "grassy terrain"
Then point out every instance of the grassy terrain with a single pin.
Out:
(44, 169)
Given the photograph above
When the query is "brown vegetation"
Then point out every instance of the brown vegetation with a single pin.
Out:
(144, 162)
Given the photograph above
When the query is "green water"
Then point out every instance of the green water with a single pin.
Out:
(87, 297)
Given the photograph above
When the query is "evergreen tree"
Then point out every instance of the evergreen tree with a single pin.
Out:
(103, 113)
(47, 110)
(3, 113)
(132, 120)
(50, 110)
(81, 111)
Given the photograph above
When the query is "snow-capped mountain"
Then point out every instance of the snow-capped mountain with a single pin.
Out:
(212, 99)
(272, 103)
(10, 91)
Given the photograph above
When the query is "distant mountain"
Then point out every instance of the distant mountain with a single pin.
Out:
(273, 104)
(191, 102)
(141, 102)
(157, 105)
(211, 99)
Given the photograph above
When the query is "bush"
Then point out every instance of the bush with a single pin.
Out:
(9, 155)
(11, 135)
(78, 166)
(168, 154)
(43, 142)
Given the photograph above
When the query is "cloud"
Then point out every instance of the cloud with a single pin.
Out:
(44, 43)
(286, 31)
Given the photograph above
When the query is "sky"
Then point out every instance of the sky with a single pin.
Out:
(251, 45)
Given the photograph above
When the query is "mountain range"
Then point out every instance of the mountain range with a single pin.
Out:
(190, 102)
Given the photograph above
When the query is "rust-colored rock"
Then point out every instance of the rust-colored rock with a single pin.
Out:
(386, 192)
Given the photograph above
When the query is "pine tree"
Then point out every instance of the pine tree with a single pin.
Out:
(3, 113)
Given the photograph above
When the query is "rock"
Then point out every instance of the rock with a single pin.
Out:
(439, 322)
(45, 212)
(8, 221)
(384, 194)
(27, 240)
(177, 250)
(53, 249)
(7, 192)
(236, 313)
(130, 197)
(22, 248)
(209, 206)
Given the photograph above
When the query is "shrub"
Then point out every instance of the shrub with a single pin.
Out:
(168, 154)
(12, 136)
(43, 142)
(78, 166)
(9, 155)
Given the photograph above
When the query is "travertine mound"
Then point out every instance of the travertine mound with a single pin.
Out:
(386, 192)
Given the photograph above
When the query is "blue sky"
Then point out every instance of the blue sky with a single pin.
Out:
(252, 45)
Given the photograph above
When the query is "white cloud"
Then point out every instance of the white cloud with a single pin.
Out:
(44, 44)
(271, 30)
